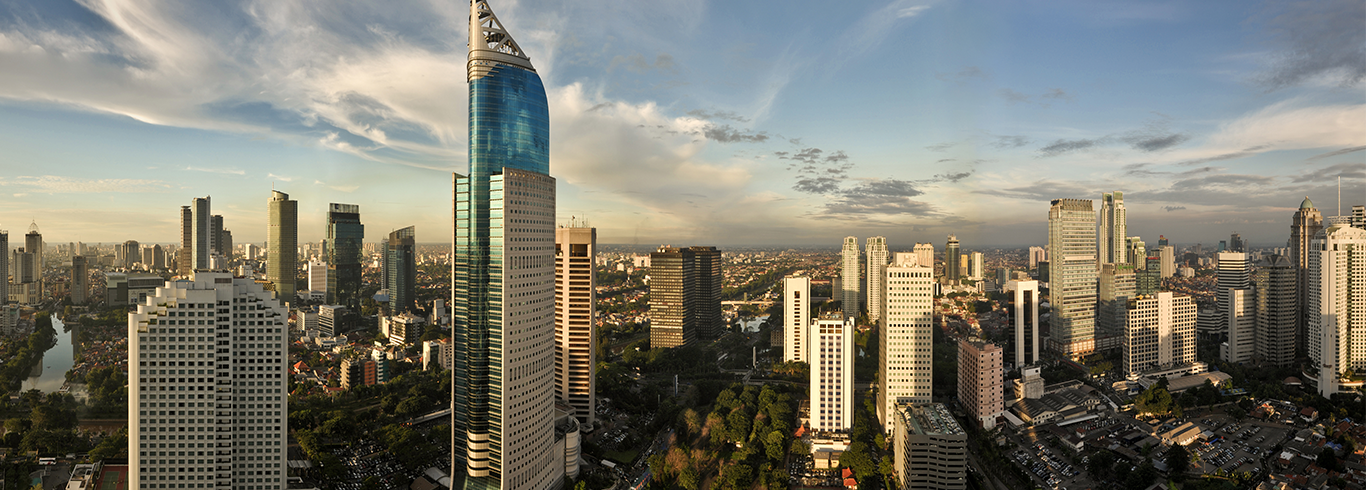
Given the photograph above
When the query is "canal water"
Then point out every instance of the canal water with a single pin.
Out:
(51, 373)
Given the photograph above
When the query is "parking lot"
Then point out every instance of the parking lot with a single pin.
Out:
(1046, 465)
(1237, 447)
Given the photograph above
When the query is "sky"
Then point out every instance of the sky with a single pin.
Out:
(688, 122)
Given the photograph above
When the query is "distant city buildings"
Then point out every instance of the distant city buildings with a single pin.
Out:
(796, 317)
(905, 338)
(849, 275)
(1036, 255)
(981, 378)
(80, 277)
(218, 328)
(1072, 284)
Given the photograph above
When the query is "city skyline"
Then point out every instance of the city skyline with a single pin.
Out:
(964, 122)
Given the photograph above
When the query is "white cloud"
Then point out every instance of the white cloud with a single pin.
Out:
(54, 184)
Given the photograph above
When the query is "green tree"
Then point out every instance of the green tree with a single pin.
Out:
(775, 446)
(1178, 461)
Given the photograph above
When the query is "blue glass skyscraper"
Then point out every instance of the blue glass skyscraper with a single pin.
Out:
(503, 276)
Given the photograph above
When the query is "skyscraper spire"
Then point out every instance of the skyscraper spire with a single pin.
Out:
(490, 43)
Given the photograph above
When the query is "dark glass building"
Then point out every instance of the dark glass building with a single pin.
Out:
(503, 276)
(400, 269)
(685, 295)
(344, 236)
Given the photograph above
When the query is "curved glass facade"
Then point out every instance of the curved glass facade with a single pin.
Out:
(509, 123)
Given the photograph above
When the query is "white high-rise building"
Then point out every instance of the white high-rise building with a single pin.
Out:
(906, 337)
(207, 406)
(849, 277)
(924, 254)
(1238, 307)
(1111, 234)
(317, 276)
(1159, 333)
(877, 263)
(796, 317)
(1336, 321)
(832, 373)
(1036, 255)
(976, 266)
(1167, 261)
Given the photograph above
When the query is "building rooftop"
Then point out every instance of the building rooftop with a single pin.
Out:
(1307, 204)
(934, 418)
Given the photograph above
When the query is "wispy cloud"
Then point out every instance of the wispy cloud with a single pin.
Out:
(280, 178)
(54, 184)
(1316, 40)
(231, 171)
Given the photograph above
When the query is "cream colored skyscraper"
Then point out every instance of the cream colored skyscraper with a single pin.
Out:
(976, 266)
(877, 264)
(1113, 226)
(906, 337)
(796, 317)
(575, 316)
(1159, 333)
(849, 277)
(1237, 305)
(1337, 291)
(1166, 261)
(282, 238)
(207, 400)
(1072, 276)
(924, 254)
(832, 373)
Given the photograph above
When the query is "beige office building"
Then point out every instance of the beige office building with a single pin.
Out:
(930, 448)
(796, 317)
(1159, 333)
(282, 239)
(575, 315)
(906, 337)
(981, 380)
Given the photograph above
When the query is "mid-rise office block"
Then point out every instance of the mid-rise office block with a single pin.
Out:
(282, 241)
(1072, 276)
(318, 277)
(1159, 333)
(207, 406)
(952, 260)
(1337, 293)
(1136, 253)
(832, 373)
(906, 337)
(403, 329)
(849, 275)
(981, 380)
(685, 295)
(330, 319)
(930, 448)
(576, 298)
(80, 279)
(796, 317)
(436, 354)
(1277, 302)
(1111, 234)
(1036, 255)
(877, 264)
(1148, 279)
(1237, 307)
(1117, 283)
(1023, 318)
(924, 254)
(344, 254)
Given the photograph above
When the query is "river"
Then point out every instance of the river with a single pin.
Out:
(51, 373)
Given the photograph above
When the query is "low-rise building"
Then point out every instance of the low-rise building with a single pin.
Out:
(931, 449)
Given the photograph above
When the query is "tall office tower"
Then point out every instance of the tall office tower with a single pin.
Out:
(201, 230)
(575, 315)
(282, 239)
(21, 267)
(5, 263)
(951, 259)
(685, 295)
(503, 428)
(1136, 253)
(796, 317)
(1113, 229)
(981, 381)
(1237, 308)
(930, 448)
(1277, 309)
(400, 269)
(147, 257)
(877, 265)
(1304, 226)
(976, 266)
(1036, 255)
(1167, 266)
(832, 373)
(963, 265)
(1337, 291)
(33, 243)
(906, 336)
(158, 257)
(1161, 240)
(1116, 285)
(184, 261)
(216, 235)
(175, 423)
(1223, 247)
(318, 276)
(1159, 333)
(80, 279)
(924, 254)
(1023, 317)
(1148, 280)
(849, 277)
(1072, 273)
(1236, 243)
(343, 254)
(225, 243)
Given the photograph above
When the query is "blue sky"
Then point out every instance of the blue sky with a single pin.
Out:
(689, 122)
